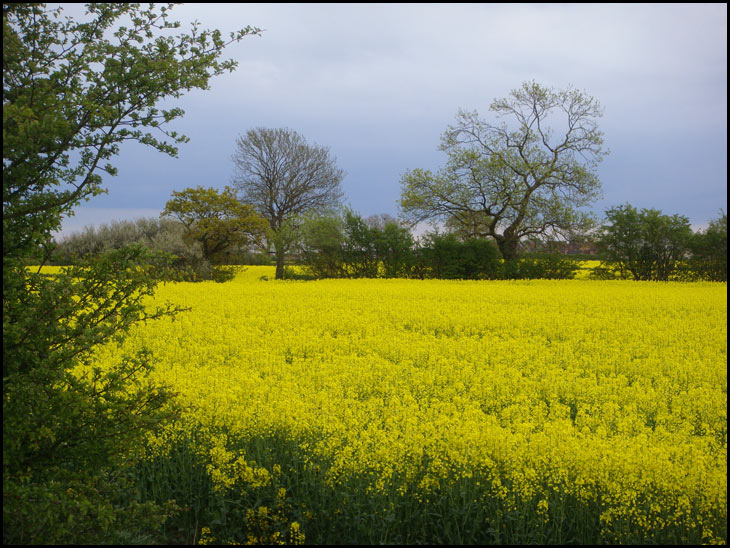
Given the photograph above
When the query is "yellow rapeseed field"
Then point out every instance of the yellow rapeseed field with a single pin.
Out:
(609, 394)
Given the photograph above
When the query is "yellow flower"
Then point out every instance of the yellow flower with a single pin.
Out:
(587, 390)
(295, 535)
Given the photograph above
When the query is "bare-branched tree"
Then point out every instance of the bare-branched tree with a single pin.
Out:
(283, 177)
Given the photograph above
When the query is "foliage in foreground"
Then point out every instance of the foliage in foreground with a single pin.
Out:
(70, 436)
(73, 91)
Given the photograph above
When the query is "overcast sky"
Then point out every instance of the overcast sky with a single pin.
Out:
(379, 83)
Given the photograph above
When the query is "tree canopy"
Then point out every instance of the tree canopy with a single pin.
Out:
(217, 220)
(709, 249)
(644, 244)
(528, 177)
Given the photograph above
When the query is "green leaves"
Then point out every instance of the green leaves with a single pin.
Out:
(525, 174)
(709, 249)
(72, 93)
(218, 220)
(645, 244)
(70, 96)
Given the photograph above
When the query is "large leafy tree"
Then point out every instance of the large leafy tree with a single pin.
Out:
(73, 91)
(217, 220)
(284, 177)
(525, 177)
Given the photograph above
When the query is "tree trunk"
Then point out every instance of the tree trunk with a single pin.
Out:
(279, 263)
(508, 248)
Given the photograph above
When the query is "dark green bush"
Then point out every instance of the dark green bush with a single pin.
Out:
(709, 251)
(73, 433)
(359, 254)
(602, 272)
(645, 244)
(394, 249)
(80, 508)
(321, 246)
(346, 246)
(194, 269)
(445, 256)
(552, 267)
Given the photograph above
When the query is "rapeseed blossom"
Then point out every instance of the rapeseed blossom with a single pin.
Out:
(613, 393)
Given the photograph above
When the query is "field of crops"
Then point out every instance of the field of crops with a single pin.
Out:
(343, 411)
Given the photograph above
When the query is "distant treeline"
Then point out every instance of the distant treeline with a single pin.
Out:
(164, 236)
(343, 244)
(337, 245)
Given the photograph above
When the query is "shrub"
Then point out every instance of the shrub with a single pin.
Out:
(603, 272)
(394, 249)
(551, 267)
(164, 235)
(709, 251)
(645, 244)
(194, 269)
(359, 253)
(321, 246)
(346, 246)
(445, 256)
(73, 427)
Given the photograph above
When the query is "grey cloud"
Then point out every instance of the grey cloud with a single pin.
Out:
(378, 83)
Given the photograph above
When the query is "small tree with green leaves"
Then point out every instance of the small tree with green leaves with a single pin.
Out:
(218, 221)
(446, 256)
(394, 246)
(343, 244)
(709, 251)
(320, 244)
(644, 244)
(359, 253)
